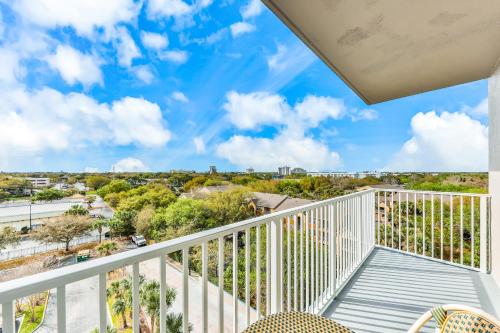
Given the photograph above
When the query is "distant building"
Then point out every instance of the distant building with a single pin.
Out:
(204, 191)
(39, 182)
(264, 203)
(212, 169)
(298, 171)
(250, 170)
(284, 171)
(358, 175)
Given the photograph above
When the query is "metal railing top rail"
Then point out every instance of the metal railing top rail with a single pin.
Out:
(11, 290)
(486, 195)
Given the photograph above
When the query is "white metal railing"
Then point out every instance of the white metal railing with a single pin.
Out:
(444, 226)
(308, 255)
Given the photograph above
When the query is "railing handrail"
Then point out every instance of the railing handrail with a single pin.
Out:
(468, 194)
(13, 289)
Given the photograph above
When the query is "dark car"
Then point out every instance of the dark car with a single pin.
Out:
(139, 240)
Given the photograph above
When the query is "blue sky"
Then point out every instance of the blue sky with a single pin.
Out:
(167, 84)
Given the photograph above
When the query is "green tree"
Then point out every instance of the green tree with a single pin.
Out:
(143, 221)
(49, 195)
(63, 229)
(77, 210)
(115, 186)
(9, 236)
(194, 183)
(97, 181)
(122, 223)
(109, 329)
(99, 224)
(229, 206)
(174, 323)
(120, 308)
(106, 248)
(150, 300)
(155, 194)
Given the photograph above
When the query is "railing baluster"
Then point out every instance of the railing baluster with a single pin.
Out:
(442, 229)
(135, 298)
(185, 290)
(399, 221)
(280, 264)
(321, 255)
(288, 266)
(295, 265)
(235, 282)
(220, 268)
(313, 228)
(483, 241)
(451, 228)
(268, 268)
(392, 219)
(248, 247)
(415, 223)
(432, 225)
(308, 270)
(276, 266)
(316, 263)
(385, 218)
(61, 309)
(301, 243)
(423, 224)
(103, 306)
(333, 251)
(257, 271)
(472, 233)
(204, 287)
(163, 293)
(8, 317)
(407, 223)
(462, 229)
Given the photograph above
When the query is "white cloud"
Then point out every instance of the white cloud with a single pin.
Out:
(176, 56)
(179, 96)
(37, 121)
(154, 40)
(248, 111)
(126, 48)
(85, 16)
(315, 109)
(11, 69)
(443, 142)
(75, 66)
(167, 8)
(266, 154)
(251, 9)
(240, 28)
(364, 114)
(91, 170)
(277, 61)
(199, 145)
(129, 164)
(478, 111)
(143, 73)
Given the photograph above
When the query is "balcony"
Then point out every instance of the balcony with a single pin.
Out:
(373, 260)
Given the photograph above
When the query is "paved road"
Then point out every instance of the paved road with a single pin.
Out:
(82, 308)
(151, 270)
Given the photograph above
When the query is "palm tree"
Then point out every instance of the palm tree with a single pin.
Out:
(119, 308)
(109, 329)
(99, 224)
(174, 323)
(150, 300)
(107, 248)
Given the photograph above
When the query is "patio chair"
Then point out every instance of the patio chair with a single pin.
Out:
(453, 318)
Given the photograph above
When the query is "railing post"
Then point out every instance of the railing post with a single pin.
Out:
(8, 317)
(483, 235)
(276, 253)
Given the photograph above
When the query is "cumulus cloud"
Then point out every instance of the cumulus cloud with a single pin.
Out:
(154, 40)
(478, 111)
(443, 142)
(127, 50)
(129, 164)
(179, 97)
(364, 114)
(199, 145)
(84, 16)
(249, 111)
(167, 8)
(37, 121)
(251, 9)
(143, 73)
(266, 154)
(240, 28)
(11, 69)
(315, 109)
(277, 61)
(75, 66)
(176, 56)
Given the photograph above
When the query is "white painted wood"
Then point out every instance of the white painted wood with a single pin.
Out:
(288, 266)
(472, 232)
(235, 282)
(295, 266)
(423, 224)
(8, 318)
(276, 277)
(442, 226)
(451, 228)
(61, 309)
(483, 231)
(257, 272)
(308, 280)
(268, 268)
(432, 226)
(135, 298)
(248, 247)
(185, 290)
(462, 229)
(301, 242)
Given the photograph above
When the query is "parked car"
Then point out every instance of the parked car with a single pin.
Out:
(139, 240)
(83, 255)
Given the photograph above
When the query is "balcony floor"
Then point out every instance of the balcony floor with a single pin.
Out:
(391, 290)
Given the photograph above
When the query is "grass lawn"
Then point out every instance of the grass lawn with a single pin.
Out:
(27, 326)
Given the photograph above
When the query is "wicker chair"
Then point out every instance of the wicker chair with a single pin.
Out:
(453, 318)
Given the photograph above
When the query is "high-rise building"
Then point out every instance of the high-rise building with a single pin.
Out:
(212, 169)
(284, 171)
